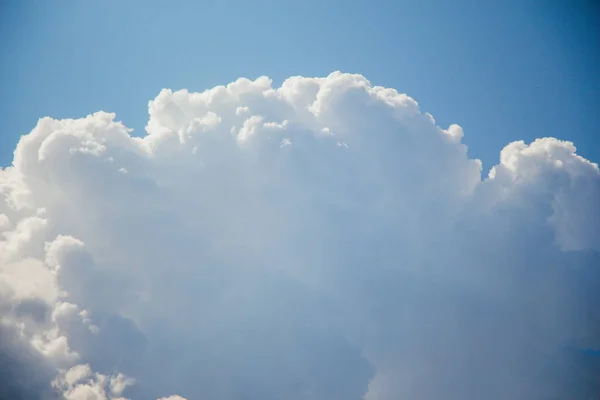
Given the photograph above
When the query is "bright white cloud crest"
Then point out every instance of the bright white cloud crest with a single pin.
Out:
(321, 240)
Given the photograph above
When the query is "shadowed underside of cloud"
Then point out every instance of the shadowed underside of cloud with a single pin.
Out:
(320, 240)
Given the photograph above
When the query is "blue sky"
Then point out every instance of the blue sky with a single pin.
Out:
(504, 71)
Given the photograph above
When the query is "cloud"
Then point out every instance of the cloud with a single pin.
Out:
(320, 240)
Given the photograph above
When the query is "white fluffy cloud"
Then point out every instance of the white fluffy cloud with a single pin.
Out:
(320, 240)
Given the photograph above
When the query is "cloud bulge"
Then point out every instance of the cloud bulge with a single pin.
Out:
(320, 240)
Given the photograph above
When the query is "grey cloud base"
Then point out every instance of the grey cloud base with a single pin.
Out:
(321, 240)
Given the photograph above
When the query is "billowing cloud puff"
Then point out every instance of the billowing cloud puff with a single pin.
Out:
(320, 240)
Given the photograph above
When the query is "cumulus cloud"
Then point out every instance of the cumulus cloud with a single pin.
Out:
(320, 240)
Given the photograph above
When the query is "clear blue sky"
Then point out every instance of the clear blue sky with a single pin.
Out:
(503, 70)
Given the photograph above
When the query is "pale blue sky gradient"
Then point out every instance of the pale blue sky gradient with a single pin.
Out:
(505, 71)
